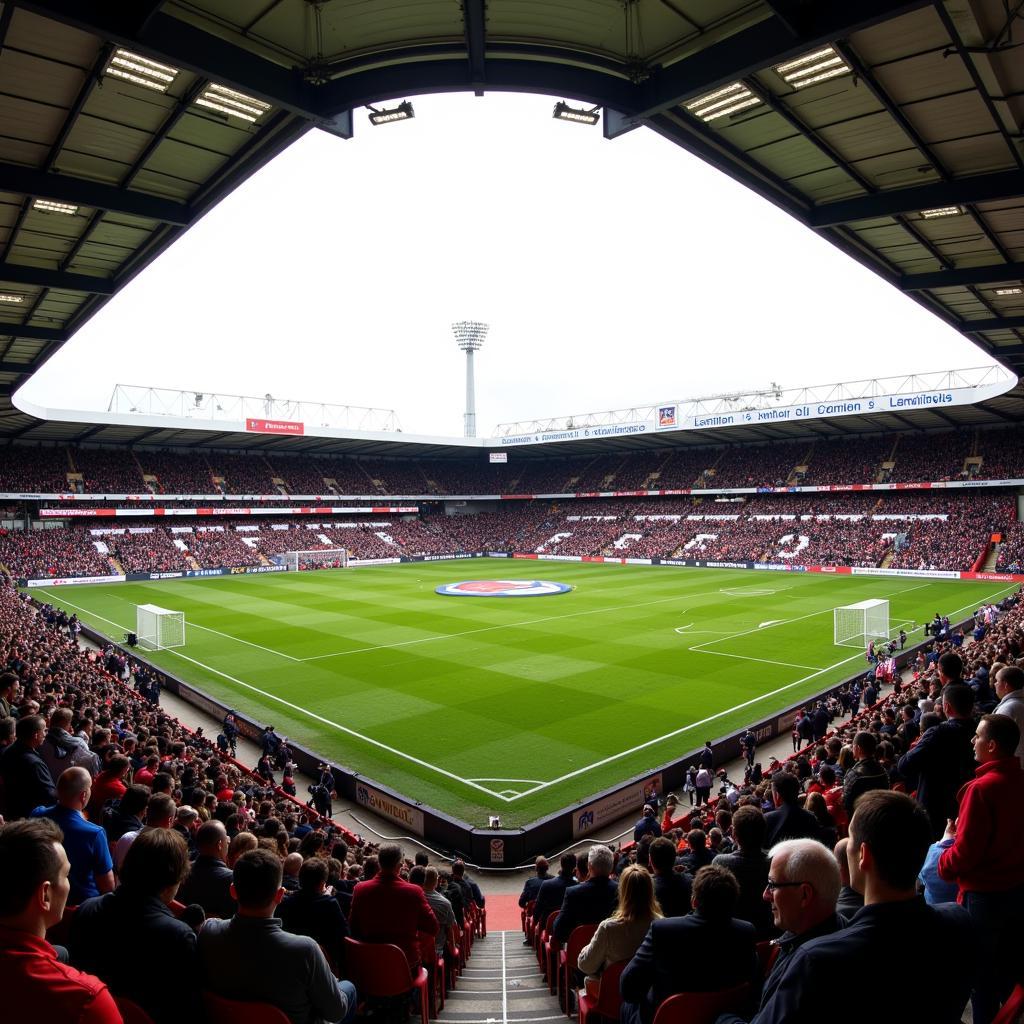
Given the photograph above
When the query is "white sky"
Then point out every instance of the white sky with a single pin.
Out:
(613, 274)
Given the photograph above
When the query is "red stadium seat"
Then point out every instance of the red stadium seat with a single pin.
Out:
(608, 1001)
(567, 960)
(233, 1011)
(380, 970)
(1012, 1011)
(701, 1007)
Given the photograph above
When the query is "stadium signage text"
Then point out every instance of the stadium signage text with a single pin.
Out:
(684, 416)
(274, 427)
(389, 807)
(610, 808)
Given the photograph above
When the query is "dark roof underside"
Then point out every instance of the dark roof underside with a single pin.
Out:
(930, 117)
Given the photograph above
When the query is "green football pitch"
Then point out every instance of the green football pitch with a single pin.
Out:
(517, 706)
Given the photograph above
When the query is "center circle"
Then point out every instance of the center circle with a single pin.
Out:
(502, 588)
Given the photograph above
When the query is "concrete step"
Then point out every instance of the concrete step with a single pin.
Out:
(501, 983)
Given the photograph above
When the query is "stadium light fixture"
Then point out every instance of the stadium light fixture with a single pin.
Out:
(233, 103)
(403, 112)
(581, 115)
(1010, 290)
(12, 298)
(133, 67)
(942, 211)
(819, 66)
(730, 99)
(52, 206)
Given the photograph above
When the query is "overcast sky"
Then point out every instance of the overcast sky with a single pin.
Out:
(612, 274)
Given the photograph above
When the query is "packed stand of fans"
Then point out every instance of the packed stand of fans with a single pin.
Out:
(855, 529)
(916, 459)
(1011, 552)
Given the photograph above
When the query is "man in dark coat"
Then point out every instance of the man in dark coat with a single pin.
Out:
(672, 888)
(27, 782)
(789, 820)
(943, 759)
(130, 937)
(532, 886)
(552, 890)
(315, 912)
(702, 952)
(889, 838)
(209, 882)
(591, 901)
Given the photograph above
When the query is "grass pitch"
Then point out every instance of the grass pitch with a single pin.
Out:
(517, 706)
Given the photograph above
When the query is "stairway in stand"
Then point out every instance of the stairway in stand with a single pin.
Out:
(501, 982)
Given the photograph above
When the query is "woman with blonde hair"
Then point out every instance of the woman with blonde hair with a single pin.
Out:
(618, 937)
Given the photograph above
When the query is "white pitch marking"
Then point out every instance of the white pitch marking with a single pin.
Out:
(738, 707)
(310, 714)
(749, 657)
(770, 622)
(504, 984)
(239, 640)
(479, 779)
(511, 625)
(800, 618)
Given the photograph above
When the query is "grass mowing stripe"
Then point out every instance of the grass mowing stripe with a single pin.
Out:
(516, 700)
(311, 714)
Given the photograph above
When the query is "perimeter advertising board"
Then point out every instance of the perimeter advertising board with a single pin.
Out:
(387, 806)
(629, 800)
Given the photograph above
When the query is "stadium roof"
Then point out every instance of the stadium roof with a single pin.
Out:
(899, 141)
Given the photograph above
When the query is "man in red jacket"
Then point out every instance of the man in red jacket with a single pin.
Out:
(34, 983)
(386, 909)
(986, 859)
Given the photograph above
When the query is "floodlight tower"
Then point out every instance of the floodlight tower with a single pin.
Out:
(469, 336)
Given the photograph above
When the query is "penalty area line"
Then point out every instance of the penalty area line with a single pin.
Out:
(310, 714)
(739, 707)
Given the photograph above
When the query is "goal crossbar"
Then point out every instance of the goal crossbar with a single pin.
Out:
(158, 629)
(856, 625)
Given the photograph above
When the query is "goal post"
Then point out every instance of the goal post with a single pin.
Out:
(159, 628)
(856, 625)
(317, 558)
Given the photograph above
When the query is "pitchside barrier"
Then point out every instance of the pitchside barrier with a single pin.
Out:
(831, 570)
(507, 849)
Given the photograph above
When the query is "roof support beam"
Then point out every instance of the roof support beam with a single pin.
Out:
(979, 188)
(21, 368)
(17, 273)
(763, 45)
(999, 323)
(474, 16)
(28, 180)
(33, 333)
(962, 277)
(183, 45)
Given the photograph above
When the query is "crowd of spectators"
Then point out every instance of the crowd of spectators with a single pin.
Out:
(921, 531)
(1011, 552)
(995, 454)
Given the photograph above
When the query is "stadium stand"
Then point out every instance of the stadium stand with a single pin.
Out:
(952, 456)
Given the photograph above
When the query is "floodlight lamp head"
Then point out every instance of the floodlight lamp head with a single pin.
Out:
(403, 112)
(470, 334)
(581, 115)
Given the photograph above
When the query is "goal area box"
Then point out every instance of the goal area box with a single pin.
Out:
(318, 558)
(157, 628)
(856, 625)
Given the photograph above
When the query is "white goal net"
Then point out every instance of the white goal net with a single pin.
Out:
(318, 558)
(159, 628)
(856, 625)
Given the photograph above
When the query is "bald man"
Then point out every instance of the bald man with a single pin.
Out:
(92, 870)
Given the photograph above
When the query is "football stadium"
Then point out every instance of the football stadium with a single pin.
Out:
(668, 713)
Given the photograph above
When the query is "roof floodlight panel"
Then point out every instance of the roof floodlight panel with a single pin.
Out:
(233, 103)
(53, 206)
(730, 99)
(820, 66)
(133, 67)
(942, 211)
